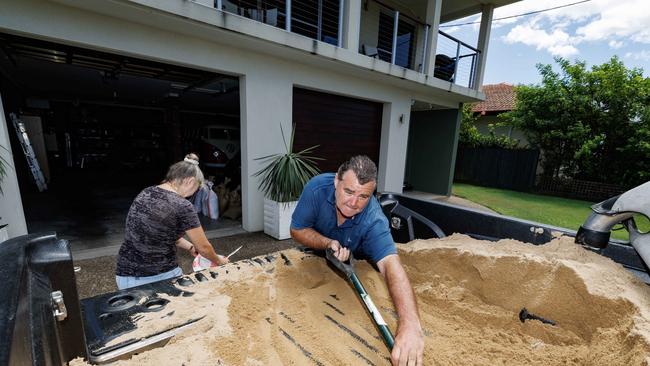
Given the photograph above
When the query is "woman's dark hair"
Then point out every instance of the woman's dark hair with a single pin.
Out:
(364, 168)
(187, 168)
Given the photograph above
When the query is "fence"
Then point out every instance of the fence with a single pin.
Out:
(577, 189)
(496, 167)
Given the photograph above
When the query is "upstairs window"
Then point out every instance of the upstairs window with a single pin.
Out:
(405, 40)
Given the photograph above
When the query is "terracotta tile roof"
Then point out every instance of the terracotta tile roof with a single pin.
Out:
(498, 98)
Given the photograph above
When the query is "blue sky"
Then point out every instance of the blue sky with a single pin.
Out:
(592, 31)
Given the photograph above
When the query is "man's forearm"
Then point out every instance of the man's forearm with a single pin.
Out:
(310, 238)
(409, 342)
(401, 292)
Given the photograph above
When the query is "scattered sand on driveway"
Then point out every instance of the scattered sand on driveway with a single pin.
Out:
(469, 293)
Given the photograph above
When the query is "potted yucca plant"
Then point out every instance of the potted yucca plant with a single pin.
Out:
(282, 180)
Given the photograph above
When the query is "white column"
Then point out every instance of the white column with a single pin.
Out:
(266, 101)
(351, 24)
(433, 19)
(394, 143)
(11, 206)
(483, 43)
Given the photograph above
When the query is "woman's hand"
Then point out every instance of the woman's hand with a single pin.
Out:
(222, 260)
(193, 251)
(203, 246)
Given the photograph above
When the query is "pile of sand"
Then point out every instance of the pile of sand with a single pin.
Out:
(469, 293)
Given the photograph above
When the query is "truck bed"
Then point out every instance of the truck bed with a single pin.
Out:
(41, 264)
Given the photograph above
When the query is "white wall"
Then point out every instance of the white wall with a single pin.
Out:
(394, 141)
(11, 206)
(266, 102)
(267, 79)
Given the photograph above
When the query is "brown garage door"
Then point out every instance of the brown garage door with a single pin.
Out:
(342, 126)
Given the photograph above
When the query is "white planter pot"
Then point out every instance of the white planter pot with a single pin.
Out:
(4, 234)
(277, 218)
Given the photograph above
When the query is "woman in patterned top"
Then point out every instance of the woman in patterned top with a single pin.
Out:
(157, 221)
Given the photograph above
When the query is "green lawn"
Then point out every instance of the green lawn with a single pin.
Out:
(555, 211)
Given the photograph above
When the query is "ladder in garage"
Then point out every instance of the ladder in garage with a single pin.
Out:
(29, 152)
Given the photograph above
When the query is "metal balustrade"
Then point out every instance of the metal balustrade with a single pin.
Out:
(316, 19)
(392, 36)
(456, 61)
(385, 33)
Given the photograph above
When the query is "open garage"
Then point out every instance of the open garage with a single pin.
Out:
(103, 126)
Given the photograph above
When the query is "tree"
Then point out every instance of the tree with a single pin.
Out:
(470, 136)
(590, 124)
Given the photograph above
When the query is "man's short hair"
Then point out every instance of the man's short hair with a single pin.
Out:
(364, 168)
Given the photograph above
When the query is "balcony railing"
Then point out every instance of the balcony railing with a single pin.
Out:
(397, 42)
(316, 19)
(385, 33)
(456, 61)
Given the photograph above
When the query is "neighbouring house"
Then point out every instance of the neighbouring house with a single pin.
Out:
(115, 91)
(499, 98)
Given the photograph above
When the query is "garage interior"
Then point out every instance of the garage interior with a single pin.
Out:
(105, 126)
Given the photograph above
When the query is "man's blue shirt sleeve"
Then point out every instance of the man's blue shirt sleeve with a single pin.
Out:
(305, 214)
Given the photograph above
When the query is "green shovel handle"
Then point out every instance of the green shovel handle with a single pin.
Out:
(374, 312)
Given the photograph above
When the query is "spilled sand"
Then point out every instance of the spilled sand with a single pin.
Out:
(296, 310)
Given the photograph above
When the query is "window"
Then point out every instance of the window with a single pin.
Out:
(405, 40)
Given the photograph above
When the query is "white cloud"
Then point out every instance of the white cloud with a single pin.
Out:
(616, 44)
(560, 31)
(558, 42)
(622, 19)
(641, 55)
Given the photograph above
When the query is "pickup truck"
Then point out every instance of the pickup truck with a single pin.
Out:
(43, 321)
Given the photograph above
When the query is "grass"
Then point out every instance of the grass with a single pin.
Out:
(549, 210)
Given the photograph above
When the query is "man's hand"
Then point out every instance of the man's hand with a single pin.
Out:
(409, 347)
(340, 252)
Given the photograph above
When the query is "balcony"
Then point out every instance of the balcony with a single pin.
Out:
(385, 33)
(397, 38)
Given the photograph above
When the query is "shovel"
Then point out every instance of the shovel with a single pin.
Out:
(348, 271)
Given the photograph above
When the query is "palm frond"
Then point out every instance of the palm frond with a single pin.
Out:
(3, 168)
(285, 175)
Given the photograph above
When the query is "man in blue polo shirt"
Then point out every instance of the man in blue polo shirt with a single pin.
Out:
(339, 211)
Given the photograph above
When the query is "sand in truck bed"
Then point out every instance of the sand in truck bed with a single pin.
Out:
(299, 311)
